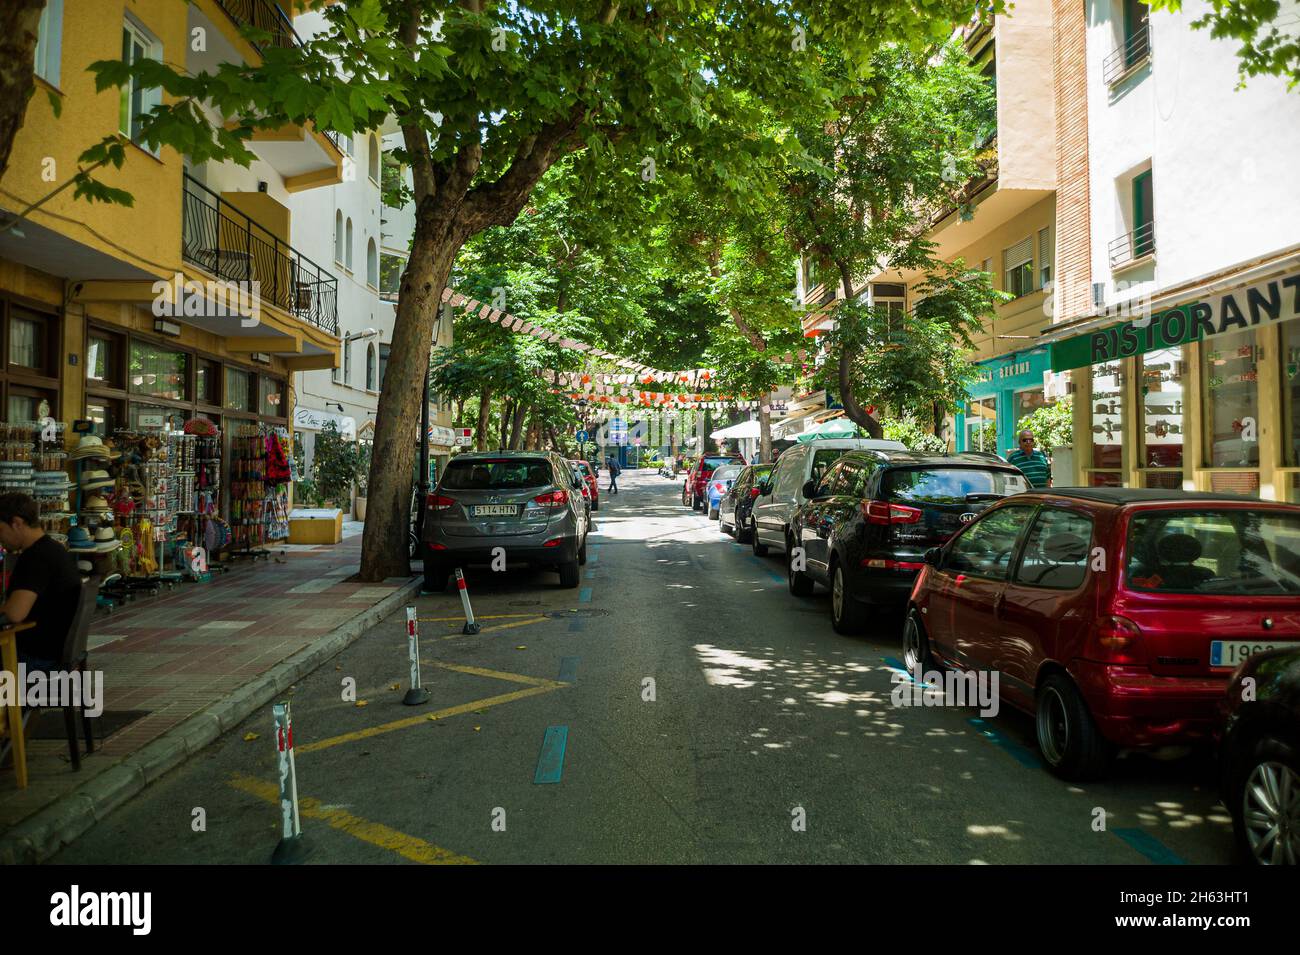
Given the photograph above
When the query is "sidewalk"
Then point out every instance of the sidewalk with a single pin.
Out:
(195, 661)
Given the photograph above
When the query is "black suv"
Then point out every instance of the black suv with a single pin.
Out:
(865, 526)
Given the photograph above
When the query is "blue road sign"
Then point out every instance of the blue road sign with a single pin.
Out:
(582, 436)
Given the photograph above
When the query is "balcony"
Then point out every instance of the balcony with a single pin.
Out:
(265, 16)
(1132, 247)
(233, 247)
(1128, 56)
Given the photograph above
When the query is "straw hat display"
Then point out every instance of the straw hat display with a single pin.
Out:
(95, 479)
(90, 446)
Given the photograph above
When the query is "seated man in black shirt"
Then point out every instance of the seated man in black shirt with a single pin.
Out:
(43, 587)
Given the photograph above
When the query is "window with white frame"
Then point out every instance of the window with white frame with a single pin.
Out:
(338, 236)
(137, 101)
(347, 248)
(49, 42)
(1018, 267)
(372, 264)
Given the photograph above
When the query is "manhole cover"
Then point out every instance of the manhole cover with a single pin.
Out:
(584, 612)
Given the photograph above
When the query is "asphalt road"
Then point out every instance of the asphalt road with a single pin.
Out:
(768, 737)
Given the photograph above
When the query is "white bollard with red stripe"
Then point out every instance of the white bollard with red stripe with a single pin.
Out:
(417, 694)
(470, 625)
(291, 849)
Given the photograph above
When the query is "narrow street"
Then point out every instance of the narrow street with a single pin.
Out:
(540, 745)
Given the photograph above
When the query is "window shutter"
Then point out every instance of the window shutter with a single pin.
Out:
(1019, 254)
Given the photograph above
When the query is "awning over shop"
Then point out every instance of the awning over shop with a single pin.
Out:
(746, 429)
(834, 428)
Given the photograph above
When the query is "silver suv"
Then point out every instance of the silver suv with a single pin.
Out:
(527, 503)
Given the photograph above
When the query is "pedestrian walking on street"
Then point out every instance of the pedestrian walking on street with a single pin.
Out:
(614, 472)
(1033, 463)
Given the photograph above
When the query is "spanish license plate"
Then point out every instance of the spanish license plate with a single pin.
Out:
(494, 510)
(1226, 654)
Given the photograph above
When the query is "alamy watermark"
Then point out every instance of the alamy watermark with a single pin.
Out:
(186, 298)
(949, 688)
(54, 688)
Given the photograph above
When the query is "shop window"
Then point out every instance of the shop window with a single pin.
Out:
(1107, 457)
(148, 417)
(982, 425)
(106, 415)
(28, 404)
(1027, 402)
(158, 372)
(1229, 368)
(270, 397)
(1018, 267)
(1161, 387)
(239, 390)
(1291, 394)
(137, 101)
(207, 382)
(49, 42)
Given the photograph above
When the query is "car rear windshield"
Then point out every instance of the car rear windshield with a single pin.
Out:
(496, 474)
(727, 472)
(949, 485)
(1227, 551)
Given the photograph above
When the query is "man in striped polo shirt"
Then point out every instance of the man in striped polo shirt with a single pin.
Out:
(1033, 464)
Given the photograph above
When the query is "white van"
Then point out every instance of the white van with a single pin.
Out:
(782, 492)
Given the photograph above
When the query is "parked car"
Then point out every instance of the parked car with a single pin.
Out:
(580, 481)
(592, 482)
(1259, 756)
(1113, 615)
(718, 484)
(781, 493)
(527, 502)
(735, 510)
(865, 525)
(694, 490)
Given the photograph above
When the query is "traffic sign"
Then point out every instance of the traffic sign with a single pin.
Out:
(582, 437)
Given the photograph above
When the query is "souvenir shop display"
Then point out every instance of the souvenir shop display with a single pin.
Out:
(92, 533)
(259, 488)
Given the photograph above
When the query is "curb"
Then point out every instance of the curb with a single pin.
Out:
(39, 836)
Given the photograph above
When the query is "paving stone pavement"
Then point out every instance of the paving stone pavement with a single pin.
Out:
(189, 649)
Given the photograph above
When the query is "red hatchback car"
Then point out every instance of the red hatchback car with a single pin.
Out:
(1114, 615)
(593, 486)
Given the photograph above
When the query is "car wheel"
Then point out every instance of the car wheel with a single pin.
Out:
(1068, 739)
(760, 549)
(742, 529)
(847, 614)
(1265, 803)
(412, 546)
(917, 657)
(569, 574)
(582, 551)
(801, 585)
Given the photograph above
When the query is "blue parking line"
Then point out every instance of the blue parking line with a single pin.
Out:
(577, 624)
(584, 595)
(898, 665)
(767, 570)
(591, 575)
(569, 670)
(550, 762)
(1020, 754)
(1148, 845)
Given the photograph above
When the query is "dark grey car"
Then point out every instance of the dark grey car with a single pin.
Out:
(523, 506)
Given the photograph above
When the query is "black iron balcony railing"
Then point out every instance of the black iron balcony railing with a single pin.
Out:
(264, 15)
(1135, 48)
(1134, 245)
(219, 238)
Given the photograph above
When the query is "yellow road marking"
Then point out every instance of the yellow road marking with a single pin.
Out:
(500, 626)
(377, 834)
(496, 674)
(437, 715)
(489, 616)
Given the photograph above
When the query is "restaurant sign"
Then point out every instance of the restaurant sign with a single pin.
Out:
(1277, 300)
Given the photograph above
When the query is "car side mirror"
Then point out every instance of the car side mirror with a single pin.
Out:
(809, 490)
(934, 557)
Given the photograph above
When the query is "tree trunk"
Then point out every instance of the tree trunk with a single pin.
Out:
(517, 425)
(765, 428)
(484, 409)
(507, 415)
(852, 409)
(392, 464)
(19, 21)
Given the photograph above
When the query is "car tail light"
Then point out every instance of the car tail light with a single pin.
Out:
(553, 499)
(873, 563)
(1118, 640)
(436, 502)
(554, 543)
(882, 512)
(753, 492)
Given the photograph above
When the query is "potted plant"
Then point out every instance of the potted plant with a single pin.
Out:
(334, 467)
